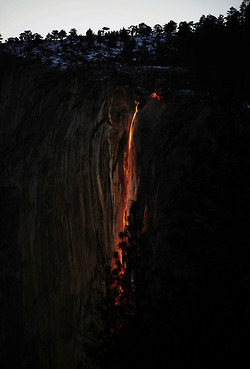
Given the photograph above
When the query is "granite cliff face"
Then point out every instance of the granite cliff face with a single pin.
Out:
(63, 193)
(62, 140)
(193, 162)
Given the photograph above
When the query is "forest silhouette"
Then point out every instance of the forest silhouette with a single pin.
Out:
(214, 48)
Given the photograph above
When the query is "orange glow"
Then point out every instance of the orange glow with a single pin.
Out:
(118, 288)
(130, 167)
(130, 188)
(130, 134)
(145, 215)
(155, 96)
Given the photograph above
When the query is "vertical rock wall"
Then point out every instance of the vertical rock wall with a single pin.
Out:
(193, 162)
(62, 142)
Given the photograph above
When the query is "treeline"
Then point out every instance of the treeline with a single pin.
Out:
(234, 22)
(214, 48)
(217, 49)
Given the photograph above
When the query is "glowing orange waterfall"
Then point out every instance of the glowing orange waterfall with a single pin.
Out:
(128, 195)
(130, 168)
(131, 127)
(130, 189)
(130, 175)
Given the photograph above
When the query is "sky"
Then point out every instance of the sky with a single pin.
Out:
(42, 16)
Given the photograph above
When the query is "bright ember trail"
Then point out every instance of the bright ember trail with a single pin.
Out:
(130, 180)
(130, 173)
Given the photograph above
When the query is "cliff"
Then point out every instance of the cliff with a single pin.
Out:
(193, 162)
(63, 139)
(61, 145)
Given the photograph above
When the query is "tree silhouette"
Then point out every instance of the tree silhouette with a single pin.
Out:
(126, 273)
(26, 36)
(90, 37)
(170, 27)
(37, 38)
(55, 34)
(112, 39)
(133, 30)
(12, 40)
(144, 30)
(49, 37)
(72, 34)
(233, 19)
(185, 30)
(62, 34)
(158, 29)
(100, 38)
(105, 30)
(128, 51)
(124, 36)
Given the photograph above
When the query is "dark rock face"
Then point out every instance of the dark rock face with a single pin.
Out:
(62, 193)
(61, 186)
(193, 160)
